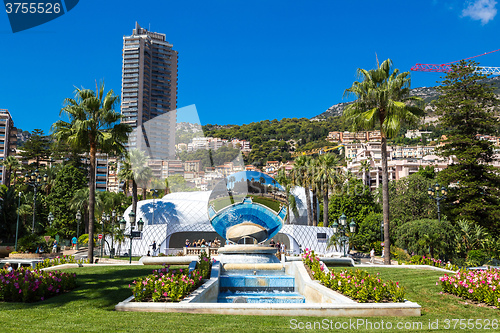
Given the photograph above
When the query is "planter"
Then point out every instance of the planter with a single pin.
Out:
(33, 255)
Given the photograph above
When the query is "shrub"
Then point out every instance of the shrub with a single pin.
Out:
(171, 286)
(476, 258)
(358, 285)
(60, 261)
(399, 254)
(422, 260)
(30, 243)
(84, 240)
(25, 285)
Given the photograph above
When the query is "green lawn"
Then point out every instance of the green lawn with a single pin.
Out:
(90, 308)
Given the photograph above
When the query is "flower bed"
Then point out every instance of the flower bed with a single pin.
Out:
(25, 285)
(358, 285)
(171, 286)
(60, 261)
(422, 260)
(481, 286)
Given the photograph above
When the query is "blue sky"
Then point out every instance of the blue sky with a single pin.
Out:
(240, 61)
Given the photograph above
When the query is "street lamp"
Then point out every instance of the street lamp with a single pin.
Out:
(34, 180)
(50, 218)
(434, 193)
(17, 225)
(133, 234)
(78, 218)
(343, 230)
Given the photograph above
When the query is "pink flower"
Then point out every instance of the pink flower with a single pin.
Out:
(20, 290)
(165, 294)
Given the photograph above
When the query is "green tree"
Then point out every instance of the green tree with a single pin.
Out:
(68, 181)
(327, 177)
(427, 236)
(383, 100)
(136, 170)
(93, 125)
(466, 109)
(11, 164)
(409, 200)
(37, 148)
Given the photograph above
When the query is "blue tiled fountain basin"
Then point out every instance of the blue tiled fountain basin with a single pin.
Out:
(260, 297)
(257, 283)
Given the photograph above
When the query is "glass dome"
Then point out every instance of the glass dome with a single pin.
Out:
(247, 206)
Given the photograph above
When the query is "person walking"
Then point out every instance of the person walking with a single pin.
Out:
(154, 247)
(372, 256)
(73, 242)
(54, 247)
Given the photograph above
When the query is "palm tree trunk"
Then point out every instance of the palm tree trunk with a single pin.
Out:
(134, 196)
(93, 151)
(385, 202)
(315, 207)
(325, 207)
(308, 204)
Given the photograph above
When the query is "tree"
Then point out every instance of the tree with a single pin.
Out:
(37, 147)
(68, 181)
(466, 108)
(92, 126)
(427, 236)
(409, 200)
(383, 100)
(136, 170)
(327, 177)
(11, 164)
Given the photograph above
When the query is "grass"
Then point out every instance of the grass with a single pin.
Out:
(90, 307)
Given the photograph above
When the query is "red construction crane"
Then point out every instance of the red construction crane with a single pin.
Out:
(445, 68)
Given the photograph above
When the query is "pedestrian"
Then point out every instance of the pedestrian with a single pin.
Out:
(154, 247)
(73, 242)
(271, 243)
(187, 243)
(7, 267)
(54, 246)
(372, 256)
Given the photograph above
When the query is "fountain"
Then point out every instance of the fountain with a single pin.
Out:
(247, 209)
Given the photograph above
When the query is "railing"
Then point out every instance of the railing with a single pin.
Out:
(196, 251)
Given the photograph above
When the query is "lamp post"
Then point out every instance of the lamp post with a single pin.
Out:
(132, 234)
(343, 229)
(34, 180)
(113, 220)
(78, 218)
(434, 193)
(50, 218)
(17, 225)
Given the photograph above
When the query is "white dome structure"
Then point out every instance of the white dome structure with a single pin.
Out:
(185, 213)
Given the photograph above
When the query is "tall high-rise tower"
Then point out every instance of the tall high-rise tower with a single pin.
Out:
(149, 91)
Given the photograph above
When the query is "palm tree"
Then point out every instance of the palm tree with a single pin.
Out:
(365, 168)
(93, 125)
(383, 100)
(135, 169)
(11, 164)
(262, 181)
(326, 177)
(80, 202)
